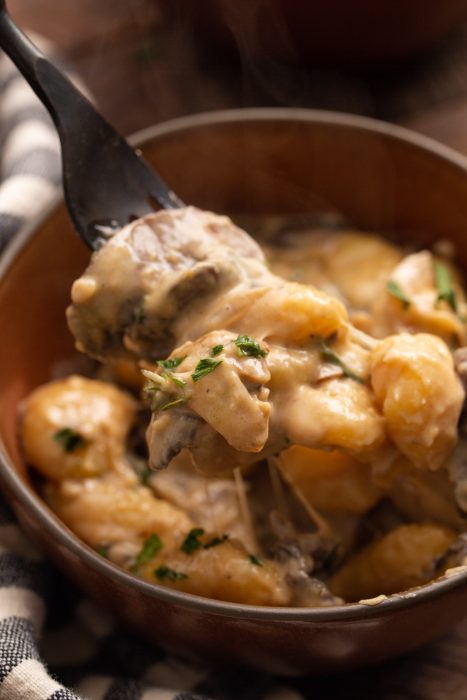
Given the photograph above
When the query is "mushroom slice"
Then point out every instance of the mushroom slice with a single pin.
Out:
(152, 273)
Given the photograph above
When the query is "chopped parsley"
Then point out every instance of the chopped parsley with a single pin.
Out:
(171, 363)
(156, 391)
(396, 290)
(216, 350)
(164, 573)
(69, 439)
(254, 560)
(191, 542)
(444, 285)
(149, 549)
(178, 381)
(152, 390)
(216, 541)
(140, 467)
(103, 550)
(249, 347)
(173, 404)
(204, 367)
(144, 475)
(331, 356)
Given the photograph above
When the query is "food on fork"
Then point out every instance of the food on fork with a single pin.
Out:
(303, 434)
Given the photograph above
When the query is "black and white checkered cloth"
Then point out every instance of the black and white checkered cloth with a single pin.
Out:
(51, 638)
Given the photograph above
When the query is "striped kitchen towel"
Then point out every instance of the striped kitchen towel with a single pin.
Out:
(54, 644)
(30, 154)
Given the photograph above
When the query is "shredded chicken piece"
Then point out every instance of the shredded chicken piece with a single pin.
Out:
(241, 365)
(152, 274)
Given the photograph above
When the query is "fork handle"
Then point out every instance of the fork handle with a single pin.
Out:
(33, 65)
(68, 107)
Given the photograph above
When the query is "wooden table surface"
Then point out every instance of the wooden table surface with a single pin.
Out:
(142, 70)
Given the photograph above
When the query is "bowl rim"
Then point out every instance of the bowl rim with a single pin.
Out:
(32, 502)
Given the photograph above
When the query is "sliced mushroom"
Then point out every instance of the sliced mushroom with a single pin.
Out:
(153, 272)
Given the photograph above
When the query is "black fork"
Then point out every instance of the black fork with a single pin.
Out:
(106, 183)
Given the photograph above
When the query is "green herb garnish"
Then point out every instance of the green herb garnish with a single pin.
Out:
(254, 560)
(178, 381)
(204, 367)
(164, 573)
(191, 542)
(330, 356)
(149, 549)
(153, 388)
(173, 404)
(216, 541)
(69, 439)
(216, 350)
(443, 281)
(103, 550)
(396, 290)
(156, 390)
(249, 346)
(140, 467)
(145, 475)
(171, 363)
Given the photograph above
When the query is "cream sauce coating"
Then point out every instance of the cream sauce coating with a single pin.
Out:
(351, 385)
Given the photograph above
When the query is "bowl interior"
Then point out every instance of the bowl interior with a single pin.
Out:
(253, 162)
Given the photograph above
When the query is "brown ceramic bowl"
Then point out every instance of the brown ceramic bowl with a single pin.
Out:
(261, 161)
(339, 33)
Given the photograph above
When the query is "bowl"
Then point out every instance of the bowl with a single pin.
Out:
(334, 33)
(270, 161)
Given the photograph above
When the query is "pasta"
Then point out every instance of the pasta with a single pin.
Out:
(303, 403)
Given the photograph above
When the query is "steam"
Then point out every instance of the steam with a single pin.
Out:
(271, 66)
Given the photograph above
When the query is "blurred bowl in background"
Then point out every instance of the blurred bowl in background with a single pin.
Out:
(337, 33)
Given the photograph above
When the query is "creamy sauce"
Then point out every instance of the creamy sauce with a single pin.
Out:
(165, 253)
(351, 386)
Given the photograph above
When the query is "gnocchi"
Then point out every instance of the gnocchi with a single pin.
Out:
(304, 399)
